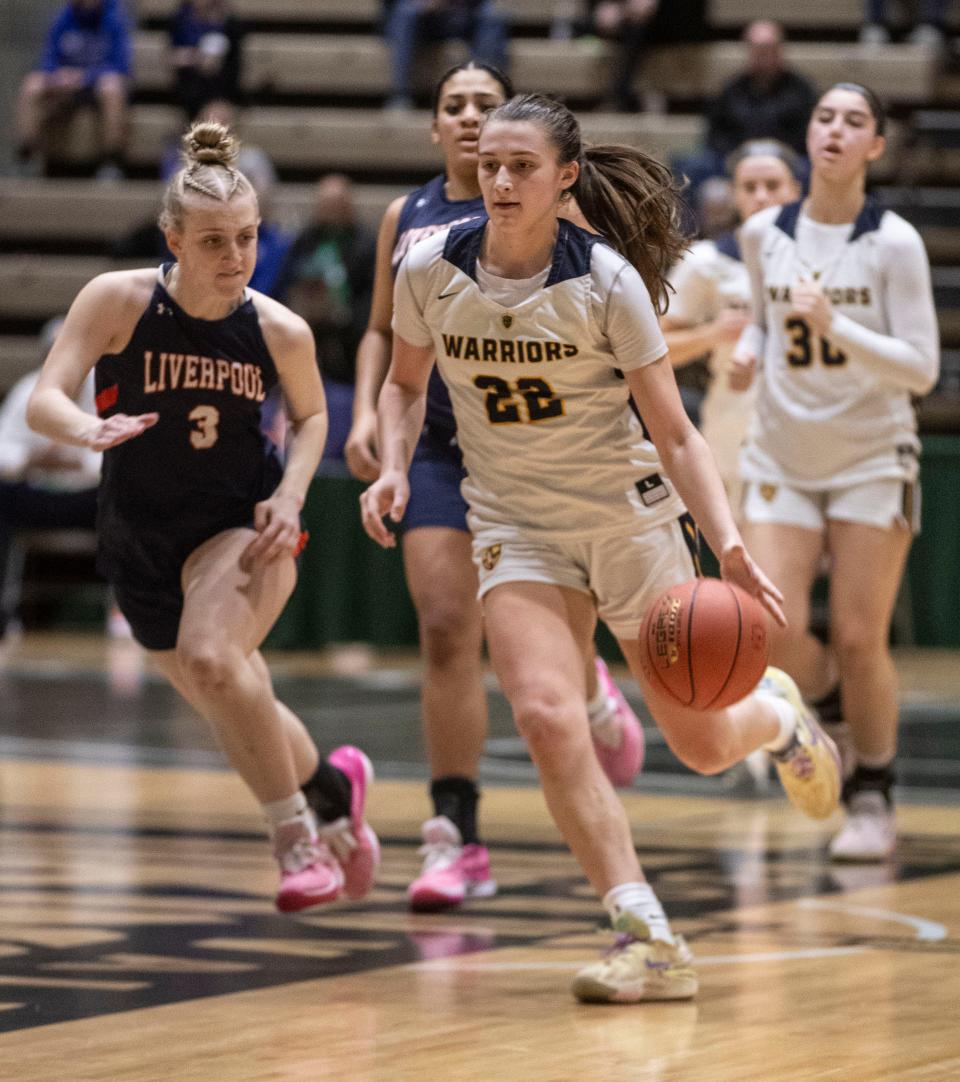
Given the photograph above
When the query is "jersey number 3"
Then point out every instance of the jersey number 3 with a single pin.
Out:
(204, 434)
(802, 343)
(538, 400)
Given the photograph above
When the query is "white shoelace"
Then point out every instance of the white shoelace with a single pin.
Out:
(439, 855)
(340, 837)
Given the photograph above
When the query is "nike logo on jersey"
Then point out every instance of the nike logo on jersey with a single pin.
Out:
(449, 293)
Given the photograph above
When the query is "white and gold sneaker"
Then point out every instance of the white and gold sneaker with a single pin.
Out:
(809, 767)
(637, 968)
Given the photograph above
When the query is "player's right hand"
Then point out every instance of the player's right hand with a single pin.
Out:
(118, 429)
(387, 496)
(361, 451)
(738, 566)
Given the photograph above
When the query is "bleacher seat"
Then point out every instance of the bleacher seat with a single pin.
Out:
(360, 139)
(347, 65)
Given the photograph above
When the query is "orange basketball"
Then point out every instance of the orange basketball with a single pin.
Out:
(704, 643)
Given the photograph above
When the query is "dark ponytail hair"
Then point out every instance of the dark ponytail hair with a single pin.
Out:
(874, 103)
(631, 198)
(470, 65)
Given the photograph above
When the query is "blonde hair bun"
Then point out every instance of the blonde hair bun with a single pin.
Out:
(210, 143)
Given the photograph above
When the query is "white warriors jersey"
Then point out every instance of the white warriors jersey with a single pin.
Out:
(709, 277)
(550, 440)
(826, 416)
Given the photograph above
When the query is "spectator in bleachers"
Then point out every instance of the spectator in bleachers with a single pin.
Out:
(327, 278)
(928, 29)
(767, 100)
(86, 60)
(634, 26)
(206, 53)
(410, 24)
(44, 485)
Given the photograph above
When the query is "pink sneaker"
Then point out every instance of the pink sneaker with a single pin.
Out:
(623, 760)
(451, 871)
(353, 841)
(309, 875)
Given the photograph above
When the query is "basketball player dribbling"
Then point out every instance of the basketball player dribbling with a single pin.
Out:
(435, 535)
(544, 334)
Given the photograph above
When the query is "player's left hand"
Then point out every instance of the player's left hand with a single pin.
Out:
(277, 522)
(737, 566)
(811, 304)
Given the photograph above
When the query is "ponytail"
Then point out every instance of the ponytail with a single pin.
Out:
(631, 198)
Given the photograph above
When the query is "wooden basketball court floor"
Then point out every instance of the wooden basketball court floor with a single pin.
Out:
(138, 940)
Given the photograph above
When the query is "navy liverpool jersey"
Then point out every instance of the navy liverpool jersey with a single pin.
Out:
(206, 460)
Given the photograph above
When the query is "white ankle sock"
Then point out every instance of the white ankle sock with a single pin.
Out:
(291, 807)
(787, 716)
(639, 898)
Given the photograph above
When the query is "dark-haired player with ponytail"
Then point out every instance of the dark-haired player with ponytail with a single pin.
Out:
(548, 339)
(199, 522)
(845, 335)
(435, 536)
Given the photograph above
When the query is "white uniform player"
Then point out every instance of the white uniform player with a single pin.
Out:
(534, 376)
(711, 303)
(544, 334)
(830, 415)
(845, 334)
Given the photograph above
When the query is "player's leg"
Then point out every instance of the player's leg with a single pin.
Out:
(868, 564)
(773, 717)
(537, 633)
(226, 614)
(785, 532)
(443, 585)
(336, 788)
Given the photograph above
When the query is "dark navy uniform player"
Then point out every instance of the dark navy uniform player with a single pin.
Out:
(436, 541)
(200, 522)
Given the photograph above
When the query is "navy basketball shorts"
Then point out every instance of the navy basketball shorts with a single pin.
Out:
(435, 475)
(144, 568)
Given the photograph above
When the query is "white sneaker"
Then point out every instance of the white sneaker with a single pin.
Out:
(869, 834)
(637, 969)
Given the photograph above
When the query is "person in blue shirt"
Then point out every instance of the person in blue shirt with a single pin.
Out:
(86, 59)
(206, 52)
